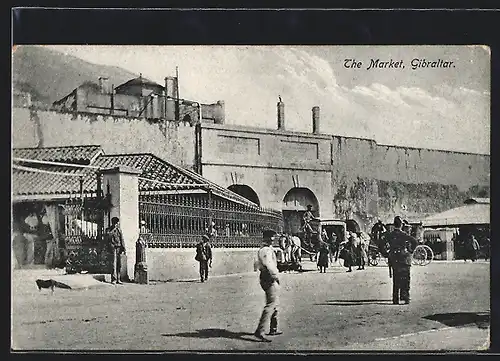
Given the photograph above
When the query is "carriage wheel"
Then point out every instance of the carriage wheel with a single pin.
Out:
(419, 256)
(373, 259)
(429, 255)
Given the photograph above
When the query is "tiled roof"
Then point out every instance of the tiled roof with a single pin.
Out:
(152, 168)
(79, 154)
(26, 182)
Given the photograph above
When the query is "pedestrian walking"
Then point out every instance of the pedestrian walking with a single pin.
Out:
(364, 241)
(333, 247)
(347, 253)
(401, 246)
(323, 257)
(31, 231)
(204, 256)
(471, 248)
(114, 239)
(269, 281)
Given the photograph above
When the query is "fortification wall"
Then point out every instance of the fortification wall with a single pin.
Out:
(169, 140)
(351, 177)
(378, 181)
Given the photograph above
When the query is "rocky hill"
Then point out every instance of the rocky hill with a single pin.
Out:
(49, 75)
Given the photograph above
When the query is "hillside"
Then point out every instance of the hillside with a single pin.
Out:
(49, 75)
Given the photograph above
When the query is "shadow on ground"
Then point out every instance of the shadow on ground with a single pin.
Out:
(215, 333)
(355, 302)
(458, 319)
(171, 280)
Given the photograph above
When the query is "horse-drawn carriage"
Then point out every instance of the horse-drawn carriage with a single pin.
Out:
(336, 233)
(422, 254)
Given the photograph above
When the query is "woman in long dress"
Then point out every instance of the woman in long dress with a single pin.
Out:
(347, 252)
(323, 254)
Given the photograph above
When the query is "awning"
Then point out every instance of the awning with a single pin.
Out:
(478, 213)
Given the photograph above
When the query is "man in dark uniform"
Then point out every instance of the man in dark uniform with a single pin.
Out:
(117, 246)
(401, 246)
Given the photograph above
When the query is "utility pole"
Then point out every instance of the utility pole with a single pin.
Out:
(177, 108)
(112, 99)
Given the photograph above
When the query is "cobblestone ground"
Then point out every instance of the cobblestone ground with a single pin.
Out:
(336, 310)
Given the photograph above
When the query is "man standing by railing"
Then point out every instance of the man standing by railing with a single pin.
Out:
(204, 257)
(117, 246)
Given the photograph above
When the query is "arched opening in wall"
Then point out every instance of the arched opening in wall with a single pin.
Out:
(245, 191)
(295, 205)
(187, 119)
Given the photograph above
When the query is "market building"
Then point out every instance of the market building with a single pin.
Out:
(77, 189)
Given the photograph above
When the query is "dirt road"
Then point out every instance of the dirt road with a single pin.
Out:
(319, 311)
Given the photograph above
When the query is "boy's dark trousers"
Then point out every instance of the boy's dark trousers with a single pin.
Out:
(117, 264)
(203, 270)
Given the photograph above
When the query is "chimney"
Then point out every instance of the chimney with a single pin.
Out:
(171, 87)
(103, 85)
(315, 118)
(281, 115)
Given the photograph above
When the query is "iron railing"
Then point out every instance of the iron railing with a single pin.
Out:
(178, 220)
(84, 217)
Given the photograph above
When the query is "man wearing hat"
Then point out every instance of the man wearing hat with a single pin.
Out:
(308, 217)
(269, 281)
(204, 256)
(401, 246)
(117, 245)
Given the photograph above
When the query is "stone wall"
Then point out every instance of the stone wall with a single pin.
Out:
(270, 162)
(372, 181)
(166, 264)
(351, 177)
(168, 140)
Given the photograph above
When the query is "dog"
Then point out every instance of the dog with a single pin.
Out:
(50, 284)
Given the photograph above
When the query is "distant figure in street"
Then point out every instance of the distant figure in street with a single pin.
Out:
(401, 246)
(407, 227)
(269, 281)
(378, 230)
(31, 231)
(116, 244)
(323, 257)
(296, 252)
(204, 256)
(332, 247)
(356, 249)
(347, 252)
(307, 218)
(46, 234)
(364, 241)
(471, 248)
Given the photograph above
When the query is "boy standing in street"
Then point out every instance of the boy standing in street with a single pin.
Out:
(117, 246)
(204, 256)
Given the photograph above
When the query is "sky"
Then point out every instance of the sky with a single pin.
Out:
(438, 108)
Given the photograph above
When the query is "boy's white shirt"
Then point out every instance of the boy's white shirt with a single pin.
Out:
(266, 258)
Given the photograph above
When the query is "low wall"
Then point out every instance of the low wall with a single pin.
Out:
(173, 264)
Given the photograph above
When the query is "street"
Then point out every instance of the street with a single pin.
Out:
(450, 308)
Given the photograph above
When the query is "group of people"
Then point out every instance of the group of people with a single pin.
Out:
(36, 225)
(354, 250)
(289, 253)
